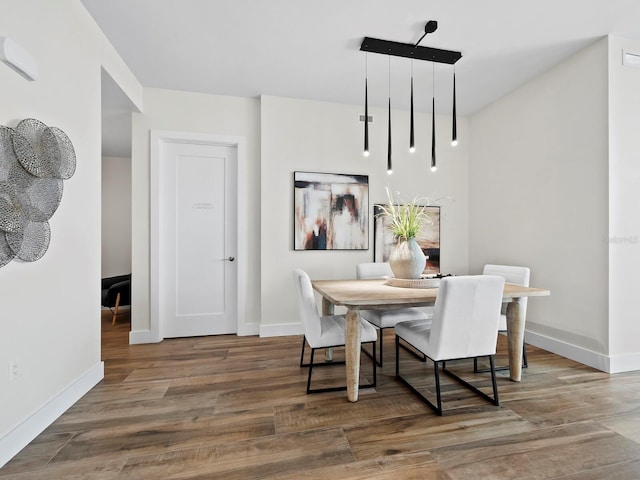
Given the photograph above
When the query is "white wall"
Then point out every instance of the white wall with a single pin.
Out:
(624, 199)
(116, 216)
(50, 320)
(198, 113)
(300, 135)
(539, 189)
(280, 139)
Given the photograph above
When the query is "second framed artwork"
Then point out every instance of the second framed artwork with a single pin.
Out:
(428, 238)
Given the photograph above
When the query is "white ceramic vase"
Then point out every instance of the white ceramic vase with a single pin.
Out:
(407, 259)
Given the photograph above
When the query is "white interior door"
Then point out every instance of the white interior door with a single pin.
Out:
(197, 239)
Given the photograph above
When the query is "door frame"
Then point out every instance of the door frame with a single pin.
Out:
(159, 138)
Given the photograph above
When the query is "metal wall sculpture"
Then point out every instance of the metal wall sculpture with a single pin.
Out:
(34, 161)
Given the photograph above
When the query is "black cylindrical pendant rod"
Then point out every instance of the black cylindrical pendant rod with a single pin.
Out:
(433, 118)
(366, 120)
(412, 143)
(389, 168)
(454, 128)
(433, 134)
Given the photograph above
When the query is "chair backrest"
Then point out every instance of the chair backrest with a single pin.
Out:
(373, 270)
(511, 274)
(307, 305)
(465, 317)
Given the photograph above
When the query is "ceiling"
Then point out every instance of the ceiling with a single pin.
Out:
(310, 49)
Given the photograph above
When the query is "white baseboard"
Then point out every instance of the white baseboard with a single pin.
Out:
(599, 361)
(139, 336)
(280, 329)
(22, 434)
(249, 329)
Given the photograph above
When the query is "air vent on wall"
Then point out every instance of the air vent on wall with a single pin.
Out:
(631, 59)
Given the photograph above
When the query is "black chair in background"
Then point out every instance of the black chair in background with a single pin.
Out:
(116, 292)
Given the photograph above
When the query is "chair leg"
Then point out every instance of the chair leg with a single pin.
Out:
(492, 369)
(313, 351)
(375, 364)
(438, 394)
(494, 383)
(304, 340)
(438, 406)
(115, 310)
(372, 355)
(328, 363)
(525, 363)
(381, 351)
(397, 356)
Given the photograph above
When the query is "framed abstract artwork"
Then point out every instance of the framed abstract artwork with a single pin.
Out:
(428, 238)
(331, 211)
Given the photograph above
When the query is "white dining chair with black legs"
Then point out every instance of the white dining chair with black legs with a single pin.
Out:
(464, 326)
(387, 318)
(518, 276)
(322, 332)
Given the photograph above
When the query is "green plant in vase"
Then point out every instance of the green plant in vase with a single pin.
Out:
(405, 221)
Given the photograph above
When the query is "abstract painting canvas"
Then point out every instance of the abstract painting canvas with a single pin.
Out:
(428, 238)
(331, 211)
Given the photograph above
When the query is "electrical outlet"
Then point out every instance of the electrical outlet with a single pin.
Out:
(13, 370)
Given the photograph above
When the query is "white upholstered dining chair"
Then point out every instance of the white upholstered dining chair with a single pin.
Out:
(518, 276)
(389, 317)
(464, 325)
(322, 332)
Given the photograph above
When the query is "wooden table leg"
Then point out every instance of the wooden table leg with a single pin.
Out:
(327, 309)
(352, 353)
(515, 338)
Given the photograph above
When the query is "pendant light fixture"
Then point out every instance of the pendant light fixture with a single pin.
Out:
(433, 120)
(412, 142)
(389, 168)
(366, 107)
(454, 127)
(413, 52)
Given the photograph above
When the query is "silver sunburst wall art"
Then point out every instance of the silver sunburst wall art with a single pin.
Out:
(34, 161)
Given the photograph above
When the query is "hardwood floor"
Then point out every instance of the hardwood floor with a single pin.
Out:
(234, 407)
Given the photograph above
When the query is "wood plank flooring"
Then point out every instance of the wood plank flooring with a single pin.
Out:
(234, 408)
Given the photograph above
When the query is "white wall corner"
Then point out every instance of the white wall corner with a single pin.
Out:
(281, 329)
(624, 363)
(27, 430)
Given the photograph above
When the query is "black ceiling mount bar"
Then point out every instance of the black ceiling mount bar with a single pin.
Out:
(408, 50)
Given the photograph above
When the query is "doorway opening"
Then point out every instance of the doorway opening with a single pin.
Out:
(116, 112)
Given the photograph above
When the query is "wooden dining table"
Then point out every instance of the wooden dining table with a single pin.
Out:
(372, 294)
